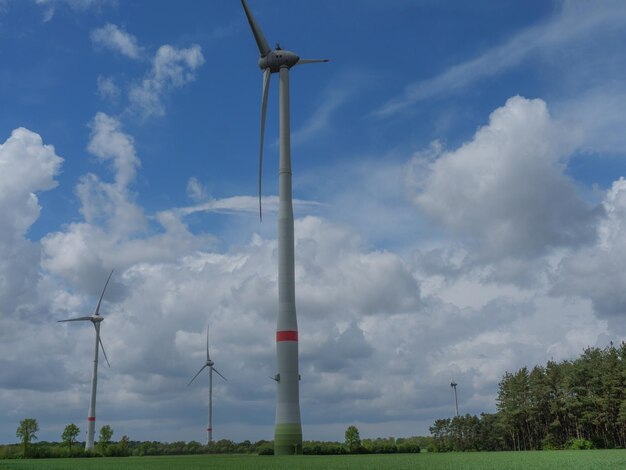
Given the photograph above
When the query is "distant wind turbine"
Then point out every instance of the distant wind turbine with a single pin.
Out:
(288, 431)
(96, 319)
(209, 363)
(456, 402)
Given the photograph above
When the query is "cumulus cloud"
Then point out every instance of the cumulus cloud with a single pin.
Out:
(108, 142)
(111, 37)
(115, 231)
(506, 189)
(596, 272)
(27, 167)
(171, 68)
(382, 333)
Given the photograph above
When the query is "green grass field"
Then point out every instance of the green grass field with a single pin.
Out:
(578, 460)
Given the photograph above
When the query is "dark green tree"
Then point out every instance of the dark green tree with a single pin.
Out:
(104, 439)
(577, 404)
(124, 446)
(69, 435)
(353, 439)
(440, 431)
(26, 432)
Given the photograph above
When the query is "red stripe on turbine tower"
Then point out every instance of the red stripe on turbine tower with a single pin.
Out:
(91, 418)
(286, 335)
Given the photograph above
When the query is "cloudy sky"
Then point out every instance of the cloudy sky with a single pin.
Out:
(460, 207)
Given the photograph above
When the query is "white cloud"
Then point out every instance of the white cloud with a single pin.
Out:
(598, 111)
(116, 232)
(111, 37)
(195, 190)
(506, 189)
(320, 119)
(78, 5)
(596, 272)
(243, 204)
(27, 167)
(381, 333)
(107, 89)
(108, 142)
(171, 68)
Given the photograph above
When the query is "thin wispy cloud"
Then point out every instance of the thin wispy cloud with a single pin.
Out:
(77, 5)
(195, 190)
(244, 204)
(321, 118)
(575, 21)
(107, 89)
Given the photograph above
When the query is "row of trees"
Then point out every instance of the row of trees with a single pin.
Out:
(390, 445)
(125, 447)
(465, 433)
(583, 399)
(569, 404)
(27, 432)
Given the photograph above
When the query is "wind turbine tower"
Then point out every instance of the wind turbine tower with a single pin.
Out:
(209, 363)
(96, 319)
(456, 402)
(288, 430)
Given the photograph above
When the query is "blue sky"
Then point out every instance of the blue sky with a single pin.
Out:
(459, 207)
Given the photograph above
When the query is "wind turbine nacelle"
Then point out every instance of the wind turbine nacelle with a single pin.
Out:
(277, 59)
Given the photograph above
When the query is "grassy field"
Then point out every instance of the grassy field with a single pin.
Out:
(579, 460)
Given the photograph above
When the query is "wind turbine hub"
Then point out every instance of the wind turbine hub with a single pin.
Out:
(97, 318)
(278, 58)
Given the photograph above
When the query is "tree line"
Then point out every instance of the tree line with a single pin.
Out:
(577, 404)
(70, 447)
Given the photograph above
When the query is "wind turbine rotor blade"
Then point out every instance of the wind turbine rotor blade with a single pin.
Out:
(266, 88)
(102, 295)
(264, 48)
(207, 344)
(217, 372)
(194, 377)
(75, 319)
(104, 352)
(311, 61)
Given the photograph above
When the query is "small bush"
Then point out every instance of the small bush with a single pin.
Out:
(408, 448)
(550, 443)
(266, 450)
(579, 444)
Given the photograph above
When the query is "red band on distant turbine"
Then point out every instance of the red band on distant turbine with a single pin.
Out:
(209, 429)
(91, 418)
(286, 335)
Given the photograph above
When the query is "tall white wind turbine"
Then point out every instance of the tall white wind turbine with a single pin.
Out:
(288, 430)
(96, 319)
(209, 363)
